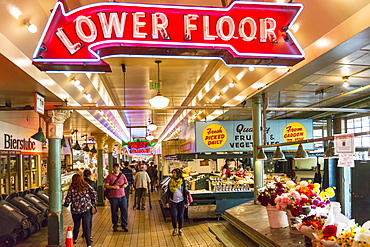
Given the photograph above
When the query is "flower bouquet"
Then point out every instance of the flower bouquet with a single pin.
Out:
(334, 230)
(302, 199)
(270, 192)
(266, 197)
(354, 236)
(303, 196)
(312, 224)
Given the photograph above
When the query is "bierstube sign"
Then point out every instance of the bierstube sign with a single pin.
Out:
(244, 33)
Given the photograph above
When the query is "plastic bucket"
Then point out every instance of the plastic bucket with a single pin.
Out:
(276, 217)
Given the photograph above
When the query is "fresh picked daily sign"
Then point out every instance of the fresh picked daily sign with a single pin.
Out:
(244, 33)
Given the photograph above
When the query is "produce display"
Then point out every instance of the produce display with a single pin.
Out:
(243, 174)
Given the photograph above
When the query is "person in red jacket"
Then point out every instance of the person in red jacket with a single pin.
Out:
(116, 182)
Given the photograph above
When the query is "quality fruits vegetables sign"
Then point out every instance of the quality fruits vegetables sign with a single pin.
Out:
(244, 33)
(221, 136)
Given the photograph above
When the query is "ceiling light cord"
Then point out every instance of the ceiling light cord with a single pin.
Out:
(158, 75)
(159, 101)
(124, 83)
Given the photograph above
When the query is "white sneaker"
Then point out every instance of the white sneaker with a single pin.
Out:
(180, 232)
(174, 233)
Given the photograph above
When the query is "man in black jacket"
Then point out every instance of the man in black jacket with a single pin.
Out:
(87, 175)
(128, 173)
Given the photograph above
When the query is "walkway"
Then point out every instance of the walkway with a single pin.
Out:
(146, 228)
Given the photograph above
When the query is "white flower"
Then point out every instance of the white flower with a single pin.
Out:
(290, 183)
(303, 183)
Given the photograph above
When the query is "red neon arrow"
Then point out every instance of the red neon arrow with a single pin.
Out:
(247, 33)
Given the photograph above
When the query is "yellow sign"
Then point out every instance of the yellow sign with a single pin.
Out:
(214, 136)
(294, 132)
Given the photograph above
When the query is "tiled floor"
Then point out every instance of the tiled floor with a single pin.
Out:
(146, 228)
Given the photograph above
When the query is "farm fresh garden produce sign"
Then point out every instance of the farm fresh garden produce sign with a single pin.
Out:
(221, 136)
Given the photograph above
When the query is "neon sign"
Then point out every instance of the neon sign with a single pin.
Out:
(139, 146)
(244, 33)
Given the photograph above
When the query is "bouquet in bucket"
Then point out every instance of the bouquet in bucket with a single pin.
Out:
(270, 192)
(302, 197)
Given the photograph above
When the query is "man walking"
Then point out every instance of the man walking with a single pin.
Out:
(87, 176)
(116, 182)
(130, 178)
(153, 174)
(141, 182)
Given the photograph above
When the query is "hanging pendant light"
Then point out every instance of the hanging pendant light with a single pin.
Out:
(150, 137)
(86, 147)
(93, 150)
(301, 153)
(76, 146)
(159, 101)
(278, 155)
(329, 152)
(63, 142)
(261, 155)
(152, 126)
(39, 136)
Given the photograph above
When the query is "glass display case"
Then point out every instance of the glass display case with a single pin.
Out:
(66, 179)
(3, 174)
(209, 201)
(14, 177)
(30, 172)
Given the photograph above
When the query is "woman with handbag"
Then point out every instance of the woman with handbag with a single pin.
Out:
(81, 196)
(177, 200)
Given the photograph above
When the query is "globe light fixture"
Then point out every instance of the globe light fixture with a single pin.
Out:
(32, 28)
(152, 126)
(150, 137)
(159, 101)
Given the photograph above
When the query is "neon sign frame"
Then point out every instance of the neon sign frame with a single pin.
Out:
(137, 150)
(55, 33)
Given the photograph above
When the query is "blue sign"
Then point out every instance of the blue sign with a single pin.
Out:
(222, 136)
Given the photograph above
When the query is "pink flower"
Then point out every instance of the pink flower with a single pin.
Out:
(295, 195)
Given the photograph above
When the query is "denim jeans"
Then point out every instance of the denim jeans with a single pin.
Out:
(91, 216)
(86, 219)
(177, 214)
(121, 203)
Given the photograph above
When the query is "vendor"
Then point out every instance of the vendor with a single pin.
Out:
(226, 170)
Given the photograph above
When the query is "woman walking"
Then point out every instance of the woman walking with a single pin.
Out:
(177, 200)
(81, 196)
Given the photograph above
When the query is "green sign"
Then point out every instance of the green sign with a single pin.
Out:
(155, 85)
